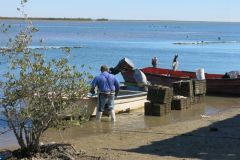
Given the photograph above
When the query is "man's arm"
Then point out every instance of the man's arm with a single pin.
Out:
(93, 85)
(117, 87)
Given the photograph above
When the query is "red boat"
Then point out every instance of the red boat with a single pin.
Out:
(216, 83)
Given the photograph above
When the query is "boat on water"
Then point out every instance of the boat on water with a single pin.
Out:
(129, 98)
(126, 101)
(215, 83)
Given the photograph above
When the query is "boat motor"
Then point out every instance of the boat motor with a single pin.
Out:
(140, 78)
(124, 64)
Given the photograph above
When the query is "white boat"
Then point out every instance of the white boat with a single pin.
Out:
(127, 100)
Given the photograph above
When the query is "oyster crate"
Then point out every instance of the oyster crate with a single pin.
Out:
(155, 109)
(183, 88)
(159, 94)
(147, 109)
(158, 109)
(199, 87)
(180, 103)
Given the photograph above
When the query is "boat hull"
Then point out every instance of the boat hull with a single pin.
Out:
(125, 102)
(214, 82)
(223, 86)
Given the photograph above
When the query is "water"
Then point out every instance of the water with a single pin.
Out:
(136, 121)
(108, 42)
(97, 43)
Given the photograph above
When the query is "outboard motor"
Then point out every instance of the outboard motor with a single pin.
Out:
(124, 64)
(140, 78)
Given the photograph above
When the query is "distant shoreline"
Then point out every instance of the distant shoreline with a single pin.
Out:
(105, 19)
(54, 19)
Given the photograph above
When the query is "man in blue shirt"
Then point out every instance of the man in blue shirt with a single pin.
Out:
(108, 87)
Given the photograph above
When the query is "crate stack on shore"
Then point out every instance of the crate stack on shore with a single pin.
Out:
(180, 103)
(199, 88)
(183, 94)
(187, 93)
(159, 98)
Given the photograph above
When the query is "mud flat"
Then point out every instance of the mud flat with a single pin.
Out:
(204, 132)
(209, 130)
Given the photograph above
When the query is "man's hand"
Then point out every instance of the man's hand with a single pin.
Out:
(92, 90)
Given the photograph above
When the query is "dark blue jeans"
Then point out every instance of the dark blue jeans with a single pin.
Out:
(105, 101)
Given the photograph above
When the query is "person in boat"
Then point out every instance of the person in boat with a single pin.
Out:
(154, 62)
(175, 62)
(108, 87)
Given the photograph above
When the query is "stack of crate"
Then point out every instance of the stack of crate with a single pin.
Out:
(199, 87)
(160, 98)
(184, 88)
(180, 103)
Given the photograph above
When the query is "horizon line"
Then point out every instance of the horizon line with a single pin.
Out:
(106, 19)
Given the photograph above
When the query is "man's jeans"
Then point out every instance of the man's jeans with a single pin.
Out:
(105, 101)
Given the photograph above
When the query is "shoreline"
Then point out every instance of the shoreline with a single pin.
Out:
(53, 19)
(106, 19)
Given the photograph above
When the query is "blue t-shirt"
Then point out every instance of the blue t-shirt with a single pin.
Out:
(106, 82)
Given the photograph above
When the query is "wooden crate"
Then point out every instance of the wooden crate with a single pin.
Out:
(179, 103)
(147, 109)
(159, 94)
(183, 88)
(168, 108)
(156, 109)
(199, 87)
(159, 109)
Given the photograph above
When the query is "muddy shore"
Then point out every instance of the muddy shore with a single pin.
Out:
(205, 135)
(206, 131)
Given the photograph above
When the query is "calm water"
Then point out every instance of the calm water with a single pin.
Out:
(108, 42)
(97, 43)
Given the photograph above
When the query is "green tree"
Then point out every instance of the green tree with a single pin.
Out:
(36, 90)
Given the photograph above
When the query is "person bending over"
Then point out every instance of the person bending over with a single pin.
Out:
(108, 87)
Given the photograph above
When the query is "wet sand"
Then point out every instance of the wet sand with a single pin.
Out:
(210, 130)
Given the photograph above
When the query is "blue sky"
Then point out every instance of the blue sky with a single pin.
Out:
(187, 10)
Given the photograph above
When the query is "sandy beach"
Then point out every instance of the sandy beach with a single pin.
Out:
(210, 136)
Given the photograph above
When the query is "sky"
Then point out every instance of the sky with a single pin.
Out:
(183, 10)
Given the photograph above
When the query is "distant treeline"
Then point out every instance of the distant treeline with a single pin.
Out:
(68, 19)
